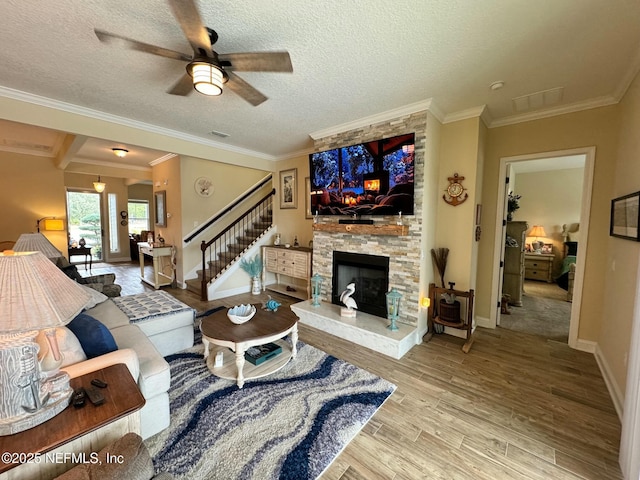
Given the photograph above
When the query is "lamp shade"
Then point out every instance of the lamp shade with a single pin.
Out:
(35, 294)
(537, 231)
(37, 242)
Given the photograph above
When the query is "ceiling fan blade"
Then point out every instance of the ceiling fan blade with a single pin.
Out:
(257, 61)
(189, 19)
(107, 37)
(183, 87)
(246, 91)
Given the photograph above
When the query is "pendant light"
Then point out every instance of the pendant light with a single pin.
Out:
(99, 186)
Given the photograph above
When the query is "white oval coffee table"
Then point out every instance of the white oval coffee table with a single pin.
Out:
(264, 327)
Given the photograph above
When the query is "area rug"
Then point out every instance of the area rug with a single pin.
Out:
(289, 425)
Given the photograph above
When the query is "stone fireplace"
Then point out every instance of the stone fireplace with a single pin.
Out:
(401, 248)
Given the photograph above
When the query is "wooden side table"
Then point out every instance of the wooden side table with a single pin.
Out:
(538, 266)
(47, 448)
(161, 257)
(86, 251)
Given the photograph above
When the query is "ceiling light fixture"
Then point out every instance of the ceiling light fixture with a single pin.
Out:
(208, 77)
(99, 186)
(497, 85)
(120, 152)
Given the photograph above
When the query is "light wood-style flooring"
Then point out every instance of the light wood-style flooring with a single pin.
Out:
(517, 406)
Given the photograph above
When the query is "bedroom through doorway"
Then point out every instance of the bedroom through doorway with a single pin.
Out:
(549, 191)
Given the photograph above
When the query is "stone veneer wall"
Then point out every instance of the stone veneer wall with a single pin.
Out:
(403, 251)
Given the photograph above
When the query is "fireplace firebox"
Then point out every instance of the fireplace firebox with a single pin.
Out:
(370, 273)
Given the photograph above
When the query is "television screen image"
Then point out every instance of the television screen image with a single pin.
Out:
(371, 178)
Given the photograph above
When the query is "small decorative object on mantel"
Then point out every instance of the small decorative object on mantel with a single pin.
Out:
(82, 242)
(271, 305)
(455, 191)
(393, 308)
(350, 303)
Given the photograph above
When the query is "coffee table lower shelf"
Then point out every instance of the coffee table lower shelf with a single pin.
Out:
(229, 371)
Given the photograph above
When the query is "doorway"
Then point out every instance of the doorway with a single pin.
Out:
(85, 221)
(554, 238)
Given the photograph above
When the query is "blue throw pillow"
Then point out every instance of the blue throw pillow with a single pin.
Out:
(94, 337)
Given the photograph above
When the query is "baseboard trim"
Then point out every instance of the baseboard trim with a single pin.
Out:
(484, 322)
(586, 346)
(614, 390)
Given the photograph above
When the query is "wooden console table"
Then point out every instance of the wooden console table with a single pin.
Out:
(294, 262)
(86, 251)
(160, 256)
(79, 431)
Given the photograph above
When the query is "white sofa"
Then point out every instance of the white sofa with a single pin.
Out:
(141, 347)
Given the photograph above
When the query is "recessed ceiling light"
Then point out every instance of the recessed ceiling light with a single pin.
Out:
(497, 85)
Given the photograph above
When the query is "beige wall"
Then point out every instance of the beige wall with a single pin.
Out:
(622, 257)
(598, 127)
(26, 197)
(550, 199)
(459, 153)
(291, 222)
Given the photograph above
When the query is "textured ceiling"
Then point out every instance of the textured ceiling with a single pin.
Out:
(351, 60)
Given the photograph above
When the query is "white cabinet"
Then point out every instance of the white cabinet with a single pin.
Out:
(290, 263)
(162, 274)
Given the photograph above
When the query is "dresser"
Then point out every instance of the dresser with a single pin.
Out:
(513, 274)
(288, 264)
(538, 266)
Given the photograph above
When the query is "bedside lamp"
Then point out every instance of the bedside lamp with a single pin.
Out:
(537, 231)
(34, 295)
(37, 242)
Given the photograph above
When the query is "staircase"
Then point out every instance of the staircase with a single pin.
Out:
(230, 245)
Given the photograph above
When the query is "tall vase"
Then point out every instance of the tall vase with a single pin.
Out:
(256, 286)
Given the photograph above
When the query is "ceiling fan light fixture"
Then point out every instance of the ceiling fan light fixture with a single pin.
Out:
(207, 78)
(120, 152)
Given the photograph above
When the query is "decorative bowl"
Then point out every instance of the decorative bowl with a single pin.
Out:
(241, 313)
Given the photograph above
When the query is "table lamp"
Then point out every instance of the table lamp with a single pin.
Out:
(34, 295)
(537, 231)
(37, 242)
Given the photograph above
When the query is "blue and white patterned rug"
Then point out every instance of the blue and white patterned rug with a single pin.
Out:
(289, 425)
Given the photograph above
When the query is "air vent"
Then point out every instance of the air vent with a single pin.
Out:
(218, 134)
(534, 101)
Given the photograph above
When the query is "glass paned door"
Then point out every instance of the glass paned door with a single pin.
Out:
(85, 222)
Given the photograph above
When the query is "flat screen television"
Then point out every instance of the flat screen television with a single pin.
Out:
(371, 178)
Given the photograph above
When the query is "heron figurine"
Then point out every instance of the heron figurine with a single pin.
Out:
(350, 303)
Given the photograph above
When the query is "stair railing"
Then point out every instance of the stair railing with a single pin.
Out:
(217, 254)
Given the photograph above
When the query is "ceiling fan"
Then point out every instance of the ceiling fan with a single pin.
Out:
(207, 70)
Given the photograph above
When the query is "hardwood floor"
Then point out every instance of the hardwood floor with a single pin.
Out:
(517, 406)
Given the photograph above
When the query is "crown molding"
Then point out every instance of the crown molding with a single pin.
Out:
(552, 112)
(126, 122)
(465, 114)
(373, 119)
(162, 159)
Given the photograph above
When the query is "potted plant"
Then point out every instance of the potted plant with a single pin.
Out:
(253, 267)
(513, 204)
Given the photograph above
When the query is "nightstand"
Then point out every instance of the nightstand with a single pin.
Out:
(538, 266)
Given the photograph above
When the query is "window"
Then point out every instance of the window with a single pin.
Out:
(114, 241)
(138, 216)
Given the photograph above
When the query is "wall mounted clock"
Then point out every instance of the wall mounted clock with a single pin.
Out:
(204, 186)
(455, 191)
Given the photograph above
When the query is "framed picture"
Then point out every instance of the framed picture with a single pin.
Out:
(288, 188)
(161, 208)
(625, 217)
(307, 198)
(547, 248)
